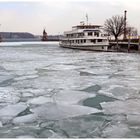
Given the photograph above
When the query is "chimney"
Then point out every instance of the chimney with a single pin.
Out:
(125, 32)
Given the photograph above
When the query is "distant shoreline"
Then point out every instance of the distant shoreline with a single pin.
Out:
(23, 39)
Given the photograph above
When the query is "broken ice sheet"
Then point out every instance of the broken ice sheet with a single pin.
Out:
(9, 95)
(71, 97)
(12, 110)
(40, 100)
(130, 106)
(116, 131)
(120, 92)
(30, 118)
(52, 111)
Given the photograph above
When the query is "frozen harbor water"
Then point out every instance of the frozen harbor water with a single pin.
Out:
(52, 92)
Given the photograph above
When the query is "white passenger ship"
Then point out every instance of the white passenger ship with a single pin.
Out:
(87, 37)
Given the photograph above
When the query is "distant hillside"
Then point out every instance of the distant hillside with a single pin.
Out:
(16, 35)
(25, 36)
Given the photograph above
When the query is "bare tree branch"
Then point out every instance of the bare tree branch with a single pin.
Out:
(115, 26)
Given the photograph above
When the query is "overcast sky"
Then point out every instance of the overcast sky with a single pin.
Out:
(57, 16)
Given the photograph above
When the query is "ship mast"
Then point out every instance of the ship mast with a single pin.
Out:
(87, 18)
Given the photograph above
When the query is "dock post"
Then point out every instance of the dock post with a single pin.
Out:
(129, 43)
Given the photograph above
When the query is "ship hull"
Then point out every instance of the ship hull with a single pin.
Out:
(87, 47)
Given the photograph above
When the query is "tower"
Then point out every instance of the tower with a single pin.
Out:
(125, 18)
(44, 38)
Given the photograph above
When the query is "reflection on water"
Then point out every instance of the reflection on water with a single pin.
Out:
(51, 92)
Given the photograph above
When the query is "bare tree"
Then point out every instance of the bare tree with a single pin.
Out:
(115, 26)
(132, 31)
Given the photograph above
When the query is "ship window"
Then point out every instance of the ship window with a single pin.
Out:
(99, 40)
(96, 34)
(93, 40)
(84, 40)
(89, 33)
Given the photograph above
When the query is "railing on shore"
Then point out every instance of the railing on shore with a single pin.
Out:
(127, 45)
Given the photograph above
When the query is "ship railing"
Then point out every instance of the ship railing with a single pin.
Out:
(86, 43)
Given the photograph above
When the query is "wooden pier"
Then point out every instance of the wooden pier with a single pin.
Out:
(125, 45)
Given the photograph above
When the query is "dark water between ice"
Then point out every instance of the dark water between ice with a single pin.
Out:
(52, 92)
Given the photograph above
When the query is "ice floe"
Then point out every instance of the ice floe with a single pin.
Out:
(131, 106)
(9, 95)
(12, 110)
(1, 124)
(50, 134)
(120, 92)
(30, 118)
(52, 111)
(116, 131)
(26, 77)
(25, 136)
(26, 94)
(71, 97)
(40, 100)
(133, 120)
(5, 78)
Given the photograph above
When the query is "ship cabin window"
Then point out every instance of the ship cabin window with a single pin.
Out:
(89, 33)
(96, 34)
(68, 35)
(102, 35)
(77, 41)
(71, 36)
(81, 41)
(100, 40)
(93, 40)
(84, 40)
(80, 34)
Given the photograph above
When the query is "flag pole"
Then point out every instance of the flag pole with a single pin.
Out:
(87, 18)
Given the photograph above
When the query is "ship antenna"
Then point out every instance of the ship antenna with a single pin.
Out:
(87, 18)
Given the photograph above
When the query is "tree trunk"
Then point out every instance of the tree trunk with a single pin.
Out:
(117, 44)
